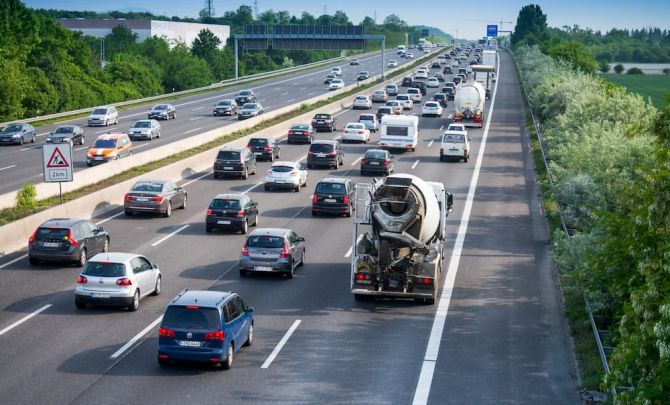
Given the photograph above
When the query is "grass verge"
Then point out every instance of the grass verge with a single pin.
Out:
(591, 372)
(8, 215)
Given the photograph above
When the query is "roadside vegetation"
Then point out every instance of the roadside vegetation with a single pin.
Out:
(608, 157)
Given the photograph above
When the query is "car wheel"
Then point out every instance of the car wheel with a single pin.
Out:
(134, 306)
(105, 247)
(163, 362)
(128, 213)
(441, 158)
(157, 287)
(80, 304)
(465, 159)
(83, 258)
(243, 273)
(266, 187)
(168, 210)
(32, 140)
(348, 213)
(228, 363)
(245, 174)
(174, 116)
(297, 188)
(245, 227)
(81, 140)
(302, 259)
(208, 228)
(362, 173)
(183, 204)
(21, 140)
(33, 261)
(256, 220)
(250, 336)
(159, 134)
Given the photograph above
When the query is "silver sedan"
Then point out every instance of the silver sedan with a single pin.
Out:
(145, 129)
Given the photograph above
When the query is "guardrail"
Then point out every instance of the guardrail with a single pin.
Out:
(566, 231)
(214, 86)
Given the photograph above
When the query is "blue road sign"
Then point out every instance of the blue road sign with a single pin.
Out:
(492, 30)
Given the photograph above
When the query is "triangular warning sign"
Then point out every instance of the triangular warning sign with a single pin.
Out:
(57, 160)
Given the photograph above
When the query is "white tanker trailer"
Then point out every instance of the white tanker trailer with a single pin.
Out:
(398, 238)
(469, 104)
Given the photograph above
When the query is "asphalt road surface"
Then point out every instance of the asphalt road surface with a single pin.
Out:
(23, 164)
(503, 341)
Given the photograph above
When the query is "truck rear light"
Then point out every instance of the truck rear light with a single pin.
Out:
(164, 332)
(81, 279)
(245, 250)
(217, 335)
(125, 281)
(426, 280)
(362, 276)
(285, 252)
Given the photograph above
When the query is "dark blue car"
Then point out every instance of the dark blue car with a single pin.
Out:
(205, 326)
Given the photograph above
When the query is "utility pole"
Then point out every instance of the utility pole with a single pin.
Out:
(102, 52)
(505, 22)
(325, 9)
(209, 6)
(256, 8)
(375, 18)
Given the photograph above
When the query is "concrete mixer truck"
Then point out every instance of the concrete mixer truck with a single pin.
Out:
(469, 104)
(399, 238)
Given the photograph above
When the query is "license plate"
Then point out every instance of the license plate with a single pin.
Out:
(320, 155)
(145, 199)
(320, 122)
(189, 343)
(329, 200)
(258, 153)
(51, 244)
(98, 158)
(262, 268)
(223, 222)
(374, 163)
(227, 168)
(99, 295)
(279, 181)
(300, 133)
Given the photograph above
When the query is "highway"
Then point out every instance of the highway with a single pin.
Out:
(23, 164)
(499, 335)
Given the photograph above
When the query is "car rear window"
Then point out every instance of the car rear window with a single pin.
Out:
(265, 241)
(366, 118)
(224, 204)
(228, 155)
(412, 91)
(150, 187)
(249, 106)
(431, 105)
(330, 188)
(361, 97)
(355, 126)
(282, 169)
(320, 148)
(225, 103)
(52, 233)
(104, 143)
(375, 155)
(384, 110)
(258, 142)
(104, 269)
(322, 116)
(452, 138)
(402, 98)
(300, 127)
(178, 317)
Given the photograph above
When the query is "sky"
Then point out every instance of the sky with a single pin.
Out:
(463, 20)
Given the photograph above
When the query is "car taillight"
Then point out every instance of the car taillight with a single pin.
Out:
(426, 280)
(81, 279)
(269, 171)
(240, 214)
(290, 132)
(128, 197)
(361, 132)
(218, 335)
(209, 211)
(293, 173)
(332, 154)
(164, 332)
(310, 153)
(267, 147)
(285, 252)
(345, 199)
(158, 198)
(362, 162)
(32, 237)
(315, 199)
(387, 162)
(245, 251)
(124, 282)
(70, 238)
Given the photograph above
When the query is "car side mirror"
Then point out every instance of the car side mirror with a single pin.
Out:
(301, 239)
(155, 266)
(450, 202)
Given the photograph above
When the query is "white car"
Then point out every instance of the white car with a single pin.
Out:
(355, 131)
(104, 116)
(421, 74)
(392, 63)
(336, 71)
(292, 175)
(336, 84)
(118, 279)
(406, 100)
(414, 94)
(433, 82)
(409, 55)
(362, 101)
(431, 109)
(457, 127)
(455, 145)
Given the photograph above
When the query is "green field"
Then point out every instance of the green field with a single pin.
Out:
(655, 87)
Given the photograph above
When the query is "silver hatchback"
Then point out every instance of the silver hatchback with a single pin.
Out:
(272, 250)
(117, 279)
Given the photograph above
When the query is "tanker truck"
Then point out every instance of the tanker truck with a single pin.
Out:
(399, 238)
(469, 104)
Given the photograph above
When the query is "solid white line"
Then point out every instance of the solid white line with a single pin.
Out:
(278, 88)
(288, 101)
(44, 133)
(171, 234)
(356, 161)
(8, 167)
(106, 130)
(433, 347)
(81, 147)
(262, 100)
(140, 146)
(302, 158)
(309, 94)
(136, 338)
(431, 143)
(252, 187)
(197, 108)
(451, 116)
(9, 263)
(442, 126)
(341, 112)
(303, 88)
(192, 130)
(196, 179)
(281, 344)
(109, 218)
(31, 148)
(415, 163)
(196, 118)
(351, 248)
(25, 318)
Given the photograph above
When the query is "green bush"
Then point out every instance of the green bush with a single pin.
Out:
(27, 197)
(618, 68)
(635, 71)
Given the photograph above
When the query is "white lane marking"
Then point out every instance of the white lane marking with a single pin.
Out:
(31, 148)
(252, 187)
(25, 318)
(415, 163)
(303, 88)
(109, 218)
(281, 344)
(302, 158)
(192, 130)
(262, 100)
(288, 101)
(168, 236)
(433, 347)
(351, 248)
(309, 94)
(44, 133)
(81, 147)
(277, 89)
(341, 112)
(5, 168)
(431, 143)
(451, 116)
(136, 338)
(197, 108)
(196, 118)
(284, 94)
(39, 175)
(196, 179)
(9, 263)
(140, 146)
(356, 161)
(442, 126)
(106, 130)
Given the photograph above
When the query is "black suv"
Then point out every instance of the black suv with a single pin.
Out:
(382, 111)
(324, 122)
(418, 84)
(435, 65)
(333, 195)
(325, 153)
(245, 96)
(235, 162)
(67, 240)
(407, 81)
(264, 148)
(231, 211)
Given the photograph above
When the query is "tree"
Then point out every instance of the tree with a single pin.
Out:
(368, 22)
(531, 20)
(618, 68)
(576, 53)
(634, 71)
(603, 66)
(205, 44)
(121, 39)
(666, 71)
(394, 22)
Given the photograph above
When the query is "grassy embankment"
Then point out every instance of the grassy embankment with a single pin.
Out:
(656, 87)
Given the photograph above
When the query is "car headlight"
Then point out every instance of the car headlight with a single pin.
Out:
(16, 136)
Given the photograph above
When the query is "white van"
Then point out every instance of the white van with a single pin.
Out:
(399, 132)
(455, 145)
(401, 49)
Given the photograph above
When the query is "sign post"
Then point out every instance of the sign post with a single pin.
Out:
(57, 164)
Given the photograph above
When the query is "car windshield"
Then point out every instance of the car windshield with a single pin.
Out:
(282, 169)
(191, 317)
(265, 241)
(330, 188)
(150, 187)
(104, 269)
(160, 107)
(438, 96)
(142, 124)
(337, 81)
(299, 127)
(453, 138)
(104, 143)
(375, 155)
(52, 233)
(225, 204)
(258, 142)
(228, 155)
(244, 93)
(249, 106)
(320, 148)
(12, 128)
(365, 72)
(64, 130)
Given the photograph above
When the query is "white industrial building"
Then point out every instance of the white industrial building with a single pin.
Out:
(174, 32)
